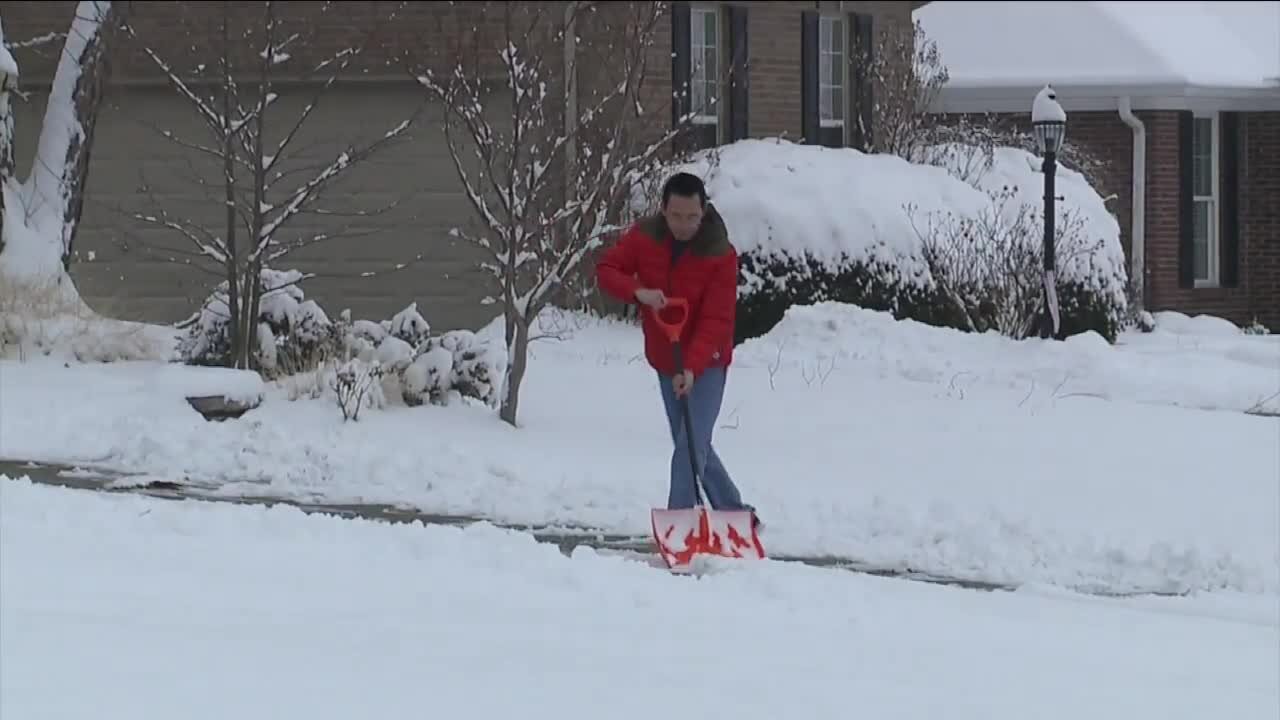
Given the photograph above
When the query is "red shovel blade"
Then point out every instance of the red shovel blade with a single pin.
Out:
(684, 535)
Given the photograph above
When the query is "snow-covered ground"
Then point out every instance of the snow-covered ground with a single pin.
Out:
(131, 607)
(892, 442)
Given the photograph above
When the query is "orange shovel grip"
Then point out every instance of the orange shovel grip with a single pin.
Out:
(672, 318)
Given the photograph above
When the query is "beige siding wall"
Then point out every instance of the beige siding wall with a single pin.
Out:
(131, 269)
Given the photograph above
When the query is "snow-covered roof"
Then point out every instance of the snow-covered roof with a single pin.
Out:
(1162, 54)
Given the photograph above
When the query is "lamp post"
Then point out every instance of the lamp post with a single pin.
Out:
(1049, 123)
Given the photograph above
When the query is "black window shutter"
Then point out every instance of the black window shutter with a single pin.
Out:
(739, 76)
(863, 32)
(810, 119)
(681, 64)
(1186, 204)
(1229, 230)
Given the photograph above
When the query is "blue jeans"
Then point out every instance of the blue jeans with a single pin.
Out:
(704, 408)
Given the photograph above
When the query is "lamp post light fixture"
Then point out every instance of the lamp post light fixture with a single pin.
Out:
(1049, 124)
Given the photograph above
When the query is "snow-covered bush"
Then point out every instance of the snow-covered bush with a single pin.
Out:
(294, 334)
(1144, 321)
(429, 377)
(409, 325)
(415, 366)
(457, 361)
(1256, 328)
(356, 385)
(815, 224)
(988, 268)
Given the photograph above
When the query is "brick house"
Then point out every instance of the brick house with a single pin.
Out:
(1181, 99)
(796, 86)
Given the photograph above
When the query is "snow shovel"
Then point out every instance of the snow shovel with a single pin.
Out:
(685, 534)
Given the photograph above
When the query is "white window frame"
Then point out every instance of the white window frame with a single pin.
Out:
(699, 16)
(827, 25)
(1213, 200)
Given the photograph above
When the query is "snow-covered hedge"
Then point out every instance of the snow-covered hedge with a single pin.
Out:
(814, 224)
(296, 336)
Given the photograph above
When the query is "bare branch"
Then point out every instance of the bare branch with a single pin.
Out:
(38, 41)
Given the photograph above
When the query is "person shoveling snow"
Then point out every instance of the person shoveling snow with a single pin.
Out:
(680, 267)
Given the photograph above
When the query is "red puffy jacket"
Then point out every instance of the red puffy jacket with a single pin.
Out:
(705, 273)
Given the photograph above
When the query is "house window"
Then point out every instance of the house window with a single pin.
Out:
(705, 52)
(1204, 169)
(832, 73)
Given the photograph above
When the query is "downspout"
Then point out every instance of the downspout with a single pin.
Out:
(1138, 216)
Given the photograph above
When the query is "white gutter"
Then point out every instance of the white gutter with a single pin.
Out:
(1138, 218)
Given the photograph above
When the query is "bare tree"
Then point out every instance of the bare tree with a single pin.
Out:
(554, 164)
(49, 202)
(258, 185)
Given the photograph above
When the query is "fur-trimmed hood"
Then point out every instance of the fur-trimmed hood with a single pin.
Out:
(711, 240)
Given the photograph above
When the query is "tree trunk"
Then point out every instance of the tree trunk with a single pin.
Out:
(61, 166)
(6, 128)
(517, 361)
(8, 82)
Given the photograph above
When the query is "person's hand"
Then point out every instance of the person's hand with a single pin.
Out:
(654, 298)
(683, 383)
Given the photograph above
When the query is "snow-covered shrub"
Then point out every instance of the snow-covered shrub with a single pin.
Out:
(457, 361)
(409, 325)
(1143, 321)
(429, 377)
(988, 268)
(412, 365)
(1256, 328)
(356, 385)
(815, 224)
(294, 334)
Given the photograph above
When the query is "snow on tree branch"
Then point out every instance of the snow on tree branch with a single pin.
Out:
(34, 42)
(546, 182)
(254, 131)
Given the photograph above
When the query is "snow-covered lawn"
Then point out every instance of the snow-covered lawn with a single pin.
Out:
(894, 443)
(131, 607)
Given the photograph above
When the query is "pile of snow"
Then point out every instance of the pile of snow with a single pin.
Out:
(1233, 372)
(896, 444)
(337, 618)
(783, 199)
(42, 314)
(1176, 323)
